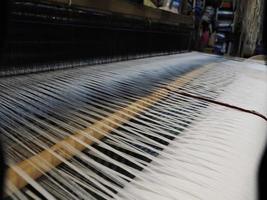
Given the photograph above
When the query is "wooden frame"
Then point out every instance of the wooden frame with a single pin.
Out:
(125, 8)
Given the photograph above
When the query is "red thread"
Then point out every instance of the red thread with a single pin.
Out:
(253, 112)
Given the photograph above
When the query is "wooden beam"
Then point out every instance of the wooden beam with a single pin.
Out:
(35, 166)
(125, 8)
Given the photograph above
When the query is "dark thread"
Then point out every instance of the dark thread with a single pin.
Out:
(253, 112)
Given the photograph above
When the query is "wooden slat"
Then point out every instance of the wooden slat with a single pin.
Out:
(37, 165)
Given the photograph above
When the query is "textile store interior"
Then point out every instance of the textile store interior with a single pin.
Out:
(133, 99)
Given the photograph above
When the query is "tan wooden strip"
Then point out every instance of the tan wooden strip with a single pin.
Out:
(37, 165)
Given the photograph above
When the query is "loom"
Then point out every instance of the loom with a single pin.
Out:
(89, 113)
